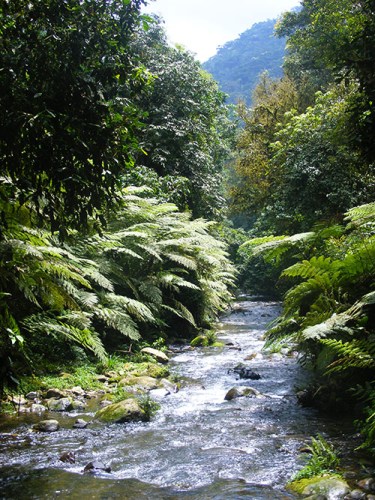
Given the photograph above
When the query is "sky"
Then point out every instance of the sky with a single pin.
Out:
(201, 26)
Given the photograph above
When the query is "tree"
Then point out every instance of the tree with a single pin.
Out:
(322, 176)
(339, 38)
(68, 117)
(253, 180)
(186, 128)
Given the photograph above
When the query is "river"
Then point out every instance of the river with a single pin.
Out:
(198, 446)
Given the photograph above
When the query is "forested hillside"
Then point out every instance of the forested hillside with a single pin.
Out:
(238, 64)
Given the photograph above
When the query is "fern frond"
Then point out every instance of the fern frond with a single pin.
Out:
(354, 354)
(119, 321)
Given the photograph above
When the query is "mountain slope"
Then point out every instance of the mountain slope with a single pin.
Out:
(238, 64)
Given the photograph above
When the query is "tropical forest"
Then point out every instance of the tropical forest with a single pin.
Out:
(187, 255)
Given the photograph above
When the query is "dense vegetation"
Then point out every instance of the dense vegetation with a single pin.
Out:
(303, 187)
(238, 64)
(88, 263)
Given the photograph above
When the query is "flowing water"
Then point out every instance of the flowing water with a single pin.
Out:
(198, 446)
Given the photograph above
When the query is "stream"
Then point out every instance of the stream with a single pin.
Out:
(198, 446)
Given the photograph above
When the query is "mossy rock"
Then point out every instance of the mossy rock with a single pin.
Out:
(199, 341)
(145, 383)
(147, 368)
(128, 410)
(328, 486)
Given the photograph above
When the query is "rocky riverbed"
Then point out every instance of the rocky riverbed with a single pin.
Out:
(233, 430)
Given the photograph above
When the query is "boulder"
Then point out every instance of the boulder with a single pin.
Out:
(17, 400)
(32, 395)
(54, 393)
(77, 391)
(246, 373)
(127, 410)
(367, 484)
(239, 392)
(96, 466)
(358, 495)
(329, 487)
(145, 383)
(68, 457)
(47, 426)
(37, 408)
(156, 354)
(78, 405)
(80, 424)
(169, 386)
(63, 404)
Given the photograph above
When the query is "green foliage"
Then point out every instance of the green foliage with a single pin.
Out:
(323, 459)
(149, 406)
(68, 87)
(326, 37)
(186, 132)
(153, 270)
(329, 309)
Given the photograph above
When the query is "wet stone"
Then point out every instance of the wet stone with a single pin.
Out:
(367, 484)
(80, 424)
(239, 392)
(32, 395)
(54, 393)
(96, 466)
(63, 404)
(49, 425)
(356, 494)
(78, 405)
(37, 408)
(68, 457)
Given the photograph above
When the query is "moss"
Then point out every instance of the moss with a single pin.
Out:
(128, 410)
(317, 484)
(300, 484)
(146, 369)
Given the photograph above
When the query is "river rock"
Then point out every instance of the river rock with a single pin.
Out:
(32, 395)
(96, 466)
(332, 488)
(367, 484)
(160, 393)
(169, 386)
(127, 410)
(156, 354)
(54, 393)
(78, 405)
(37, 408)
(17, 400)
(63, 404)
(246, 373)
(239, 392)
(80, 424)
(78, 391)
(357, 494)
(68, 457)
(144, 382)
(49, 425)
